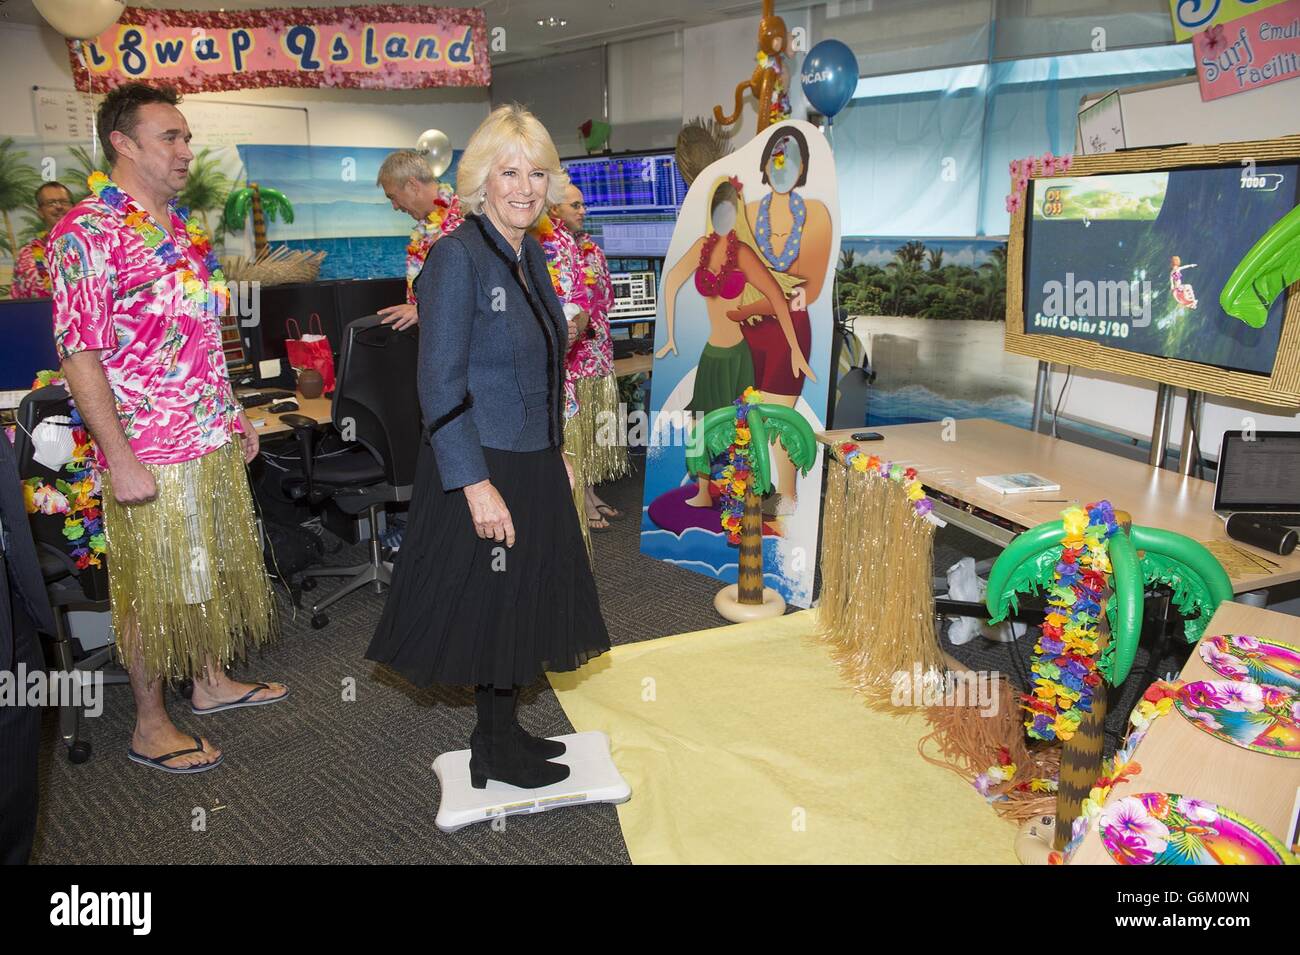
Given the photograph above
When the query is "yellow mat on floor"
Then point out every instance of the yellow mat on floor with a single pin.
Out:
(743, 745)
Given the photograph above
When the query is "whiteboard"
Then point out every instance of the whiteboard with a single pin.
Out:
(67, 116)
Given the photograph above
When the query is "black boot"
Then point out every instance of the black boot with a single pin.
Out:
(534, 745)
(495, 750)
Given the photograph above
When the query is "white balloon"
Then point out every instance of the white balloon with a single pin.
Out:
(437, 149)
(80, 19)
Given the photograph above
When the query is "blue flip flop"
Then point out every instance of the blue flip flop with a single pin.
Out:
(242, 701)
(156, 762)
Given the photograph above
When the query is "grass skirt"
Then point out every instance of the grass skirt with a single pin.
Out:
(606, 451)
(187, 567)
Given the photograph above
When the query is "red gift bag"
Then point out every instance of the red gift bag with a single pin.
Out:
(311, 350)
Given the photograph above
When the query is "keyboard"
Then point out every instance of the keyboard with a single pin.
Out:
(12, 399)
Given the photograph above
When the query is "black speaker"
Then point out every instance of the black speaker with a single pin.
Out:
(1275, 538)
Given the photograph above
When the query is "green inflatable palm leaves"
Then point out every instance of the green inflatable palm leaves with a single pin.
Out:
(767, 425)
(1271, 265)
(1198, 580)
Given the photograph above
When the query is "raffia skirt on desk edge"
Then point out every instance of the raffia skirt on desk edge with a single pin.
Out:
(468, 611)
(186, 567)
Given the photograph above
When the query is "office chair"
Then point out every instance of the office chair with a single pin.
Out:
(70, 588)
(376, 411)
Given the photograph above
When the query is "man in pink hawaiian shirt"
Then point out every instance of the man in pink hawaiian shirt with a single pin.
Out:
(31, 276)
(410, 185)
(591, 362)
(137, 300)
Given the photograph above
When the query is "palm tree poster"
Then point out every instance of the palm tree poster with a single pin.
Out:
(745, 302)
(927, 316)
(25, 164)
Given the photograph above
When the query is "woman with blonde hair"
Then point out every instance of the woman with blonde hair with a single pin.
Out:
(492, 586)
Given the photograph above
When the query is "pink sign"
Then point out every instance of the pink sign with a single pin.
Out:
(1251, 52)
(375, 47)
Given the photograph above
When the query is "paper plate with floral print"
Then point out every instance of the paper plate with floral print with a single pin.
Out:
(1241, 657)
(1257, 716)
(1168, 829)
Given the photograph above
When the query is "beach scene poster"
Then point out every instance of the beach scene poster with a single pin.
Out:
(744, 302)
(338, 209)
(25, 164)
(928, 316)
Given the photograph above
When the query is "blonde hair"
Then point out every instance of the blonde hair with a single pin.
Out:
(507, 129)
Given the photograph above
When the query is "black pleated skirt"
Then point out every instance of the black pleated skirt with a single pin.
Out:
(471, 611)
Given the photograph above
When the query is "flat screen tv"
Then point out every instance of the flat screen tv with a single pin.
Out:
(1118, 265)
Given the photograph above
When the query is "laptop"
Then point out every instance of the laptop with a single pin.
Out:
(1259, 475)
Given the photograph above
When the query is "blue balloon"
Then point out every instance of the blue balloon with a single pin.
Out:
(829, 77)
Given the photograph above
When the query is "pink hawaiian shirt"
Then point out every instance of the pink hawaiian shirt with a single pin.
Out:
(568, 277)
(31, 277)
(444, 218)
(161, 349)
(594, 357)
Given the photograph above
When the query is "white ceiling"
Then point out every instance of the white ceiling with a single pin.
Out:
(590, 22)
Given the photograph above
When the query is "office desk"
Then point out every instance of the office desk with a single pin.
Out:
(318, 408)
(1178, 758)
(979, 447)
(633, 365)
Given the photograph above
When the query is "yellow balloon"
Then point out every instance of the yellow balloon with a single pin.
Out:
(80, 19)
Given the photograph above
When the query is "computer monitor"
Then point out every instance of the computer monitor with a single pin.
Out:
(362, 297)
(278, 304)
(27, 326)
(632, 200)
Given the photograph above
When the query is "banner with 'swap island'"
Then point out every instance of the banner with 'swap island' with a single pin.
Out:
(378, 47)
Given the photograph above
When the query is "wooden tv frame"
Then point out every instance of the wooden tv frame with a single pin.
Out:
(1280, 388)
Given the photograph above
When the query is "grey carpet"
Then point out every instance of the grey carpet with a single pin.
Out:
(319, 780)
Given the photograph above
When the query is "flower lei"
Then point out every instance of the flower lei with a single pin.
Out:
(779, 108)
(80, 498)
(1065, 656)
(211, 295)
(547, 234)
(1156, 702)
(38, 259)
(737, 471)
(857, 459)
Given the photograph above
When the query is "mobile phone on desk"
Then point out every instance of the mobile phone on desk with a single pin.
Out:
(867, 436)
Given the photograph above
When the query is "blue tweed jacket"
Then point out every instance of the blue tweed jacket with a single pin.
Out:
(491, 351)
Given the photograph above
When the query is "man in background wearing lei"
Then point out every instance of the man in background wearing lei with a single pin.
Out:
(410, 185)
(138, 298)
(592, 364)
(572, 286)
(31, 276)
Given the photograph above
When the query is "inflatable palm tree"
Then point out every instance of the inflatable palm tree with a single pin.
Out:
(1123, 561)
(1271, 265)
(263, 203)
(748, 599)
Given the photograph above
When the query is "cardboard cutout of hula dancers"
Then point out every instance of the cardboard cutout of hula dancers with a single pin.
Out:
(742, 305)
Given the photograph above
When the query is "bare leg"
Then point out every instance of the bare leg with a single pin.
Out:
(597, 506)
(702, 496)
(155, 734)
